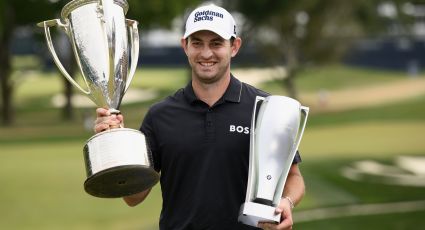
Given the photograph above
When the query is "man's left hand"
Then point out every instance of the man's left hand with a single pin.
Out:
(284, 208)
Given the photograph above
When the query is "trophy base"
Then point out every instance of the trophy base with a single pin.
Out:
(121, 181)
(118, 164)
(251, 213)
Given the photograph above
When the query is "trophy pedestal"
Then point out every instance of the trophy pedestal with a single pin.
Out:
(118, 164)
(121, 181)
(251, 213)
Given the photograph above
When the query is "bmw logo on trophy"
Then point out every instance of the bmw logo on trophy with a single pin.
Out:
(118, 161)
(277, 127)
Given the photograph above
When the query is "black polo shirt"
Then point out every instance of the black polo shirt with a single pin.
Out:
(202, 153)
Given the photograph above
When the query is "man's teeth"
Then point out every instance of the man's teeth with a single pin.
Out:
(207, 63)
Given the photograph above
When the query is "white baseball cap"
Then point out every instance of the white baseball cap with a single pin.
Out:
(213, 18)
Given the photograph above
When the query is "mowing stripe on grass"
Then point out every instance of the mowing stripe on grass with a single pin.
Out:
(358, 210)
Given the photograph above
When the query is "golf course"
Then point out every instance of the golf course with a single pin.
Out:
(363, 151)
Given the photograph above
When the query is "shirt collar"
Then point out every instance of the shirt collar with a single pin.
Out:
(234, 90)
(232, 94)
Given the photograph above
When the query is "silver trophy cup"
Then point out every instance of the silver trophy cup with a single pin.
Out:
(118, 161)
(277, 127)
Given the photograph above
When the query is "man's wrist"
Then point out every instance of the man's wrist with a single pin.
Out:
(291, 203)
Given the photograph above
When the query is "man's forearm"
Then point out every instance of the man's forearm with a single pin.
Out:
(294, 186)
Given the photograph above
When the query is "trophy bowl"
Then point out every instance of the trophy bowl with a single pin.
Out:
(106, 48)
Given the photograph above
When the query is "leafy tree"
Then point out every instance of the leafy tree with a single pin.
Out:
(15, 13)
(296, 33)
(158, 13)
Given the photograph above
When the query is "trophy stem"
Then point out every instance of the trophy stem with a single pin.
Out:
(114, 111)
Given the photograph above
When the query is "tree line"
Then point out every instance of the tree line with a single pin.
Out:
(290, 33)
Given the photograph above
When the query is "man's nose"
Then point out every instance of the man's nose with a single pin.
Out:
(206, 52)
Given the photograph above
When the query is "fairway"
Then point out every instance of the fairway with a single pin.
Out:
(43, 189)
(42, 167)
(379, 139)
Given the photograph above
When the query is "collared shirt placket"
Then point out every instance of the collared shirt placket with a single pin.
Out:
(210, 125)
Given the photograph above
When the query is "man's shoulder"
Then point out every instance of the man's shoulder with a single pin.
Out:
(168, 101)
(253, 91)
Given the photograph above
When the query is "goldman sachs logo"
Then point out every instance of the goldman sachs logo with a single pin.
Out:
(206, 15)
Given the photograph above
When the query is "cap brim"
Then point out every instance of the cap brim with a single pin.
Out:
(219, 33)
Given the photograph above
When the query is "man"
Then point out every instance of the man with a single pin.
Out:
(196, 139)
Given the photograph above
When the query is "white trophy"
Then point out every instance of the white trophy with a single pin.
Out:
(277, 127)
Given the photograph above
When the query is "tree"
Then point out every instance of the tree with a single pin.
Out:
(14, 13)
(6, 18)
(158, 13)
(307, 31)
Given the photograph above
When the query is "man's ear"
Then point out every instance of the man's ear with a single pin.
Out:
(237, 43)
(183, 43)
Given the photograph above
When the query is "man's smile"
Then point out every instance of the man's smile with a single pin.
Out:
(206, 64)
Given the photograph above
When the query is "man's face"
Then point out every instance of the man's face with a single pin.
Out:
(209, 55)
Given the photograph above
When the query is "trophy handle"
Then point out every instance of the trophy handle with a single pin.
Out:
(134, 42)
(304, 111)
(47, 25)
(280, 187)
(252, 157)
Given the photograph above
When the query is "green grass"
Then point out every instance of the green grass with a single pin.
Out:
(329, 188)
(42, 188)
(403, 221)
(314, 79)
(411, 110)
(383, 139)
(340, 77)
(42, 168)
(35, 88)
(161, 79)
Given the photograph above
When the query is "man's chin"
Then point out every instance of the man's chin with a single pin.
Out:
(207, 78)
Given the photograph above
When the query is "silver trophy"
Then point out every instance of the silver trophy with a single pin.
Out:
(118, 161)
(277, 127)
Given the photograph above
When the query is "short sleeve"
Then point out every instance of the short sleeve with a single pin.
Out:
(297, 158)
(147, 128)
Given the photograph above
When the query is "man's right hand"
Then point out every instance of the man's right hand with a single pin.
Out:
(105, 120)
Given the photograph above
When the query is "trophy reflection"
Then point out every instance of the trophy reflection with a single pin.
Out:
(118, 161)
(277, 127)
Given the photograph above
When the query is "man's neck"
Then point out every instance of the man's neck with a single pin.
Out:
(210, 93)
